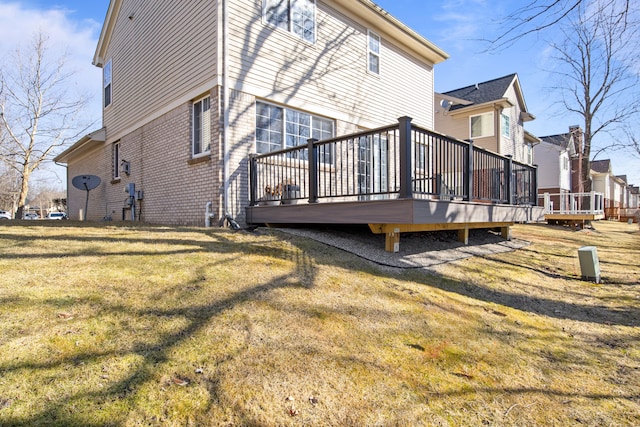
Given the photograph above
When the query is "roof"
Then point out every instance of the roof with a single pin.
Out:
(622, 177)
(601, 166)
(491, 92)
(365, 9)
(481, 93)
(93, 138)
(562, 140)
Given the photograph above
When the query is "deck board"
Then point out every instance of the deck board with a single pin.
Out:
(395, 211)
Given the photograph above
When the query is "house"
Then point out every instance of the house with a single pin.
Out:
(190, 92)
(553, 156)
(615, 188)
(491, 114)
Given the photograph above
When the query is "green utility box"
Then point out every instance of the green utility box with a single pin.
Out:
(589, 265)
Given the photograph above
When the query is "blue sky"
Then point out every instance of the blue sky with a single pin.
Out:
(456, 26)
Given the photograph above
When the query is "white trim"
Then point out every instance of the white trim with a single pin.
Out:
(284, 109)
(372, 35)
(289, 30)
(115, 172)
(202, 152)
(107, 65)
(493, 125)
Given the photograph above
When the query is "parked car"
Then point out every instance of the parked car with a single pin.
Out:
(57, 215)
(31, 215)
(5, 215)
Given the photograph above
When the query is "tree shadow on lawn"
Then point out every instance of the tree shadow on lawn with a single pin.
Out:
(60, 411)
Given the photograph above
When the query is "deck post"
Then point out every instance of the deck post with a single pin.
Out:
(253, 180)
(406, 170)
(534, 185)
(463, 235)
(468, 173)
(508, 176)
(313, 170)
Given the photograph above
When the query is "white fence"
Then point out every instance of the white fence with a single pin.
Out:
(574, 203)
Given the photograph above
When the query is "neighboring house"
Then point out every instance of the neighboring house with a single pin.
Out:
(190, 92)
(491, 114)
(614, 188)
(553, 156)
(634, 197)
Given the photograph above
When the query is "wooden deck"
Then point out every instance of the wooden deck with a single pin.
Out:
(396, 216)
(395, 179)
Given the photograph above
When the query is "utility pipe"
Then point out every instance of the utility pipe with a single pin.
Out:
(208, 214)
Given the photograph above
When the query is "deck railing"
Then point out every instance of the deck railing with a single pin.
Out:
(400, 161)
(573, 203)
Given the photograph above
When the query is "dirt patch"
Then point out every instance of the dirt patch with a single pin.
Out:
(417, 250)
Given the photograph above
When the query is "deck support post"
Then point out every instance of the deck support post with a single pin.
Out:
(406, 170)
(463, 236)
(392, 241)
(506, 233)
(313, 170)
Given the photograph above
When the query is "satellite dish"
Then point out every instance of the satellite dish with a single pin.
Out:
(86, 182)
(444, 103)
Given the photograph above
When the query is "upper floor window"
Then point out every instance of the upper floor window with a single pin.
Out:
(278, 128)
(482, 125)
(106, 77)
(505, 125)
(296, 16)
(374, 53)
(201, 131)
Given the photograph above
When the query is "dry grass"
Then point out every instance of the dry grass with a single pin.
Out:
(122, 326)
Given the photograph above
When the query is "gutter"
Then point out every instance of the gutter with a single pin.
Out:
(225, 113)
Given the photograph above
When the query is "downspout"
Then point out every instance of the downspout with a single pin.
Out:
(225, 113)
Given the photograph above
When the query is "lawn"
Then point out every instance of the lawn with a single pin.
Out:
(104, 325)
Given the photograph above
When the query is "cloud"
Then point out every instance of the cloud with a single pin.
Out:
(76, 40)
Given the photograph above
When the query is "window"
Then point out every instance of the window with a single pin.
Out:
(278, 128)
(482, 125)
(106, 76)
(505, 125)
(116, 160)
(201, 135)
(374, 53)
(296, 16)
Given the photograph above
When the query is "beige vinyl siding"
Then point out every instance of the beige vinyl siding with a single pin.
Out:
(159, 55)
(329, 77)
(514, 145)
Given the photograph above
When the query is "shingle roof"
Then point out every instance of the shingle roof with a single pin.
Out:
(622, 177)
(601, 166)
(480, 93)
(561, 140)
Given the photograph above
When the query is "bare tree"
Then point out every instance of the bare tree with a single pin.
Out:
(537, 16)
(596, 74)
(38, 111)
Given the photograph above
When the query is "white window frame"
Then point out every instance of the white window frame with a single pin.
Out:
(289, 131)
(287, 21)
(484, 128)
(107, 84)
(505, 125)
(203, 127)
(373, 53)
(116, 160)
